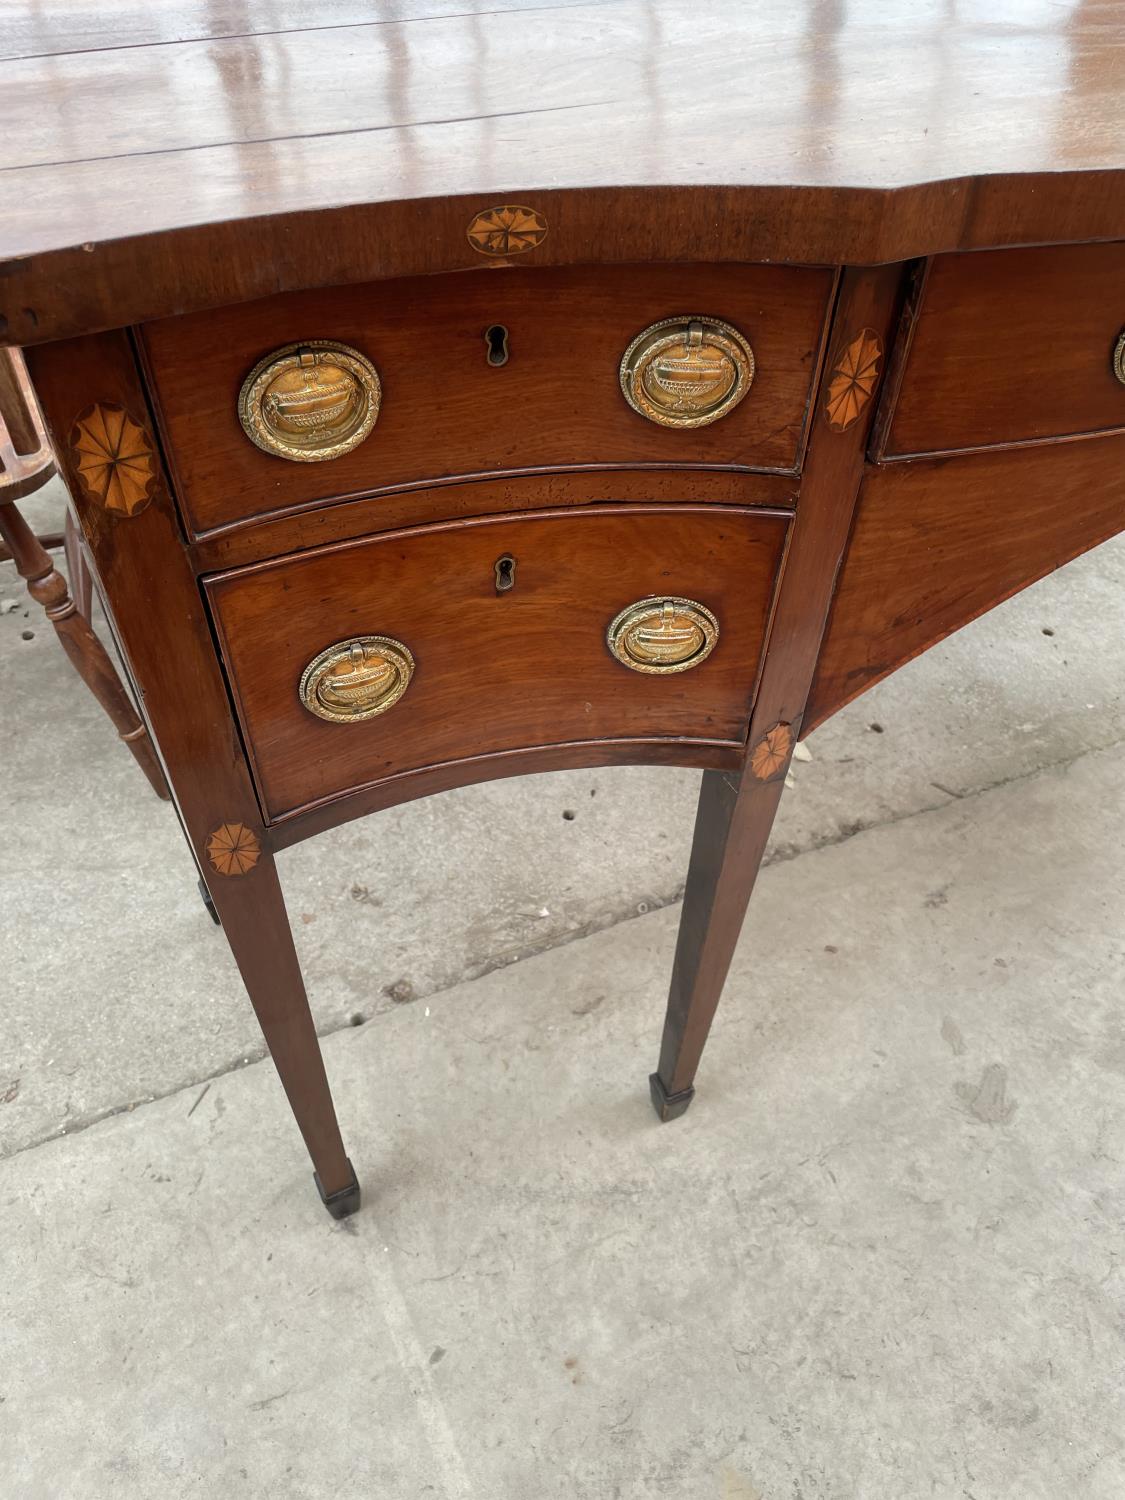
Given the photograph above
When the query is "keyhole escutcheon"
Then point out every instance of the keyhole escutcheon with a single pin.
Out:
(505, 573)
(496, 344)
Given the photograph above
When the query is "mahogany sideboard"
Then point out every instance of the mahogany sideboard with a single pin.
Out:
(458, 388)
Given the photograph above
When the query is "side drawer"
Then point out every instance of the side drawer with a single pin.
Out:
(480, 666)
(446, 412)
(1010, 346)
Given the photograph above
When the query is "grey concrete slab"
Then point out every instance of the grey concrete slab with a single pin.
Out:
(119, 989)
(881, 1256)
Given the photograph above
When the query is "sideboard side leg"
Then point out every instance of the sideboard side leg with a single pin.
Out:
(736, 809)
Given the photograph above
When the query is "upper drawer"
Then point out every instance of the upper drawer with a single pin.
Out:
(351, 664)
(446, 411)
(1012, 346)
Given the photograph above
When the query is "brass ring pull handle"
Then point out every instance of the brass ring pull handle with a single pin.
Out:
(310, 402)
(1119, 357)
(356, 679)
(687, 372)
(667, 634)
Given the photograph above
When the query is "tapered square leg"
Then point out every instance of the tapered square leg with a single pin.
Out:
(668, 1106)
(344, 1201)
(731, 829)
(250, 904)
(736, 808)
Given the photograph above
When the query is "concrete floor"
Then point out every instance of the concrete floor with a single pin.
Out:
(880, 1257)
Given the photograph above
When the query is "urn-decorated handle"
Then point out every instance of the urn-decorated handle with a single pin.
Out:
(356, 679)
(663, 634)
(687, 372)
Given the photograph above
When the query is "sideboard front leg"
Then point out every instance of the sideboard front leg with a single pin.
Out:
(732, 826)
(92, 396)
(243, 883)
(736, 810)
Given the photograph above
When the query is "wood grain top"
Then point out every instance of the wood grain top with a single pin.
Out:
(168, 140)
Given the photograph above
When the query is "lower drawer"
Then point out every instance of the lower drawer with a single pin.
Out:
(351, 664)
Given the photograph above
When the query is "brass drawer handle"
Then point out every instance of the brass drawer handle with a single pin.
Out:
(686, 372)
(667, 634)
(356, 679)
(1119, 357)
(310, 402)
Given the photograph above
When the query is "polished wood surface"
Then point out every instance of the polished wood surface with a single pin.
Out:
(446, 412)
(915, 215)
(495, 671)
(936, 544)
(517, 491)
(37, 31)
(237, 159)
(1011, 346)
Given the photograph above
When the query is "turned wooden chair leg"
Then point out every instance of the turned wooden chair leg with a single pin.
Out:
(87, 654)
(732, 828)
(77, 569)
(251, 907)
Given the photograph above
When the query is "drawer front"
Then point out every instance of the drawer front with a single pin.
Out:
(1012, 346)
(493, 637)
(445, 410)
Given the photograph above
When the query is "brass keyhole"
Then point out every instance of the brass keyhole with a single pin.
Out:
(505, 573)
(496, 343)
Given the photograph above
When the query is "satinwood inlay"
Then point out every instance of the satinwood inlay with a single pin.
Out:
(853, 379)
(510, 230)
(233, 849)
(772, 752)
(113, 458)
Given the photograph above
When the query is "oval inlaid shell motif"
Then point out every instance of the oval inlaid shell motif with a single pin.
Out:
(357, 679)
(853, 379)
(687, 372)
(310, 402)
(667, 634)
(113, 458)
(510, 230)
(1119, 358)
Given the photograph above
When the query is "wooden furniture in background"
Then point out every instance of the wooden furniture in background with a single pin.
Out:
(26, 464)
(798, 344)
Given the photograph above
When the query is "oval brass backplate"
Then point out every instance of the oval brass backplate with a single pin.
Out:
(356, 679)
(310, 402)
(663, 634)
(687, 372)
(1119, 358)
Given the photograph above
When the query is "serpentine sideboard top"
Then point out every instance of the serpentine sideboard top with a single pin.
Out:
(161, 159)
